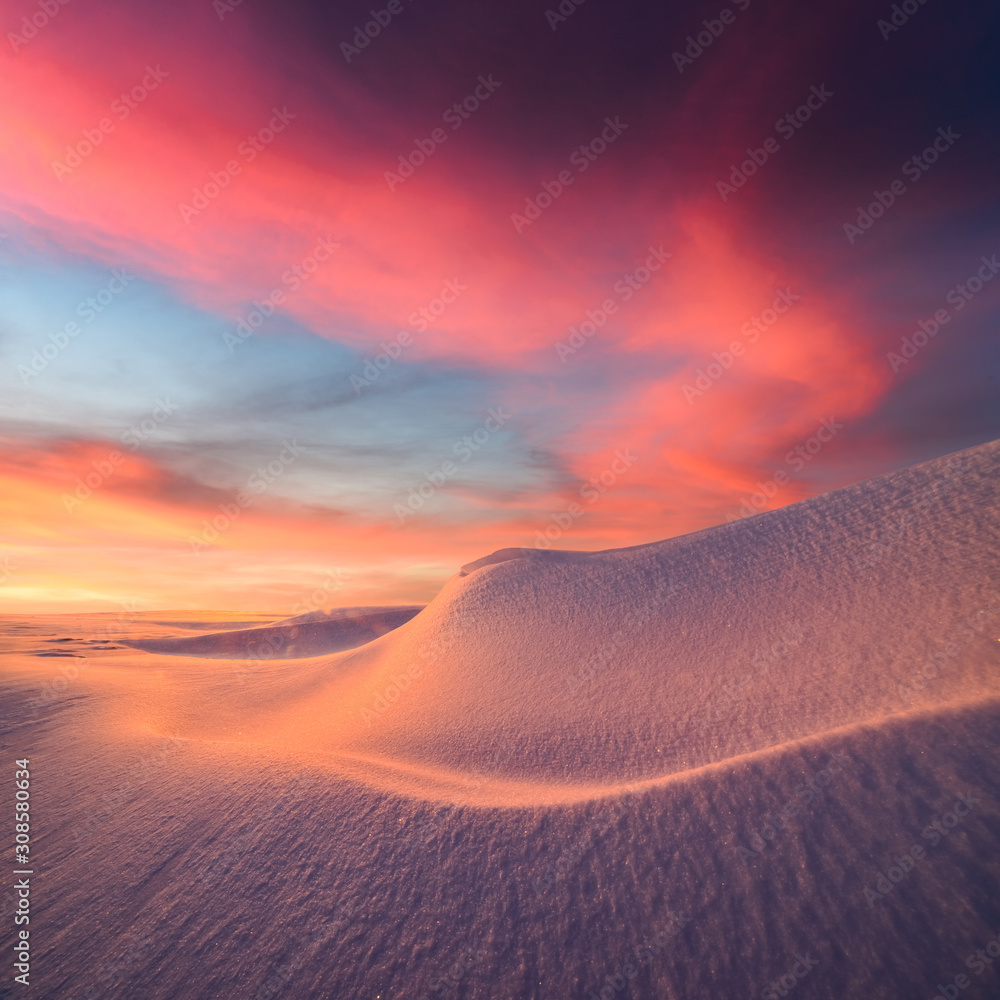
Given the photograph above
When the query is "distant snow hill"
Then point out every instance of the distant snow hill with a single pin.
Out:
(311, 634)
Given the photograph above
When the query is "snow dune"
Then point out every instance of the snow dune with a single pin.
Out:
(574, 674)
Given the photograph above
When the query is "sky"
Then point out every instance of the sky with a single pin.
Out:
(306, 305)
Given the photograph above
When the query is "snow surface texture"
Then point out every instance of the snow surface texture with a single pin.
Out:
(679, 770)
